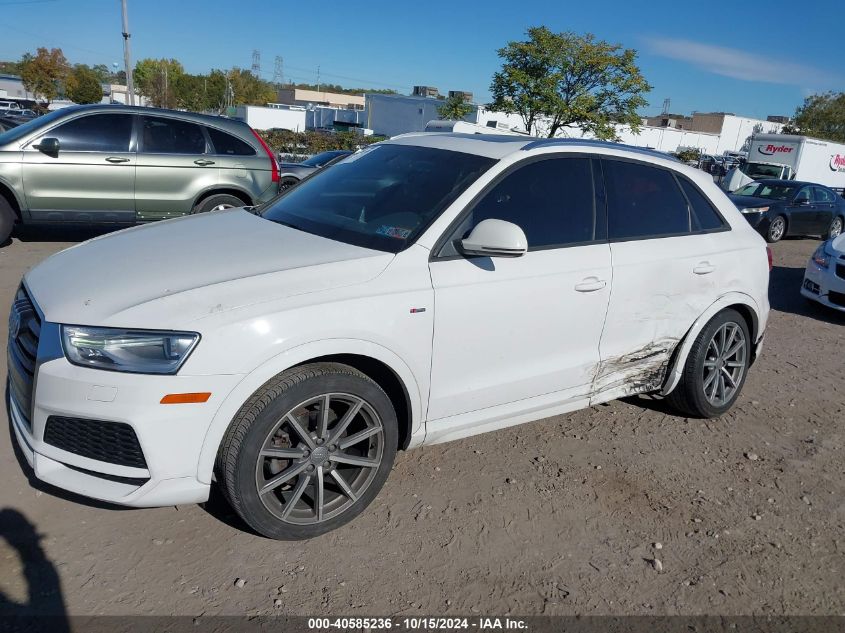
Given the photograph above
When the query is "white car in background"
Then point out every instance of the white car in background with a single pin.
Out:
(426, 289)
(824, 277)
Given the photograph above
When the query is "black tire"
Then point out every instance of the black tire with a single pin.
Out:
(689, 397)
(217, 201)
(835, 228)
(287, 182)
(257, 428)
(7, 220)
(775, 234)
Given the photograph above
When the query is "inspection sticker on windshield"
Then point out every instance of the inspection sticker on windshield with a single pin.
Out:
(393, 231)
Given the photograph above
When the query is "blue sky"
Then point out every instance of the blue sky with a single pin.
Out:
(725, 56)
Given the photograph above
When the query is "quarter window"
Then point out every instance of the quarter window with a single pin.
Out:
(171, 136)
(643, 202)
(704, 216)
(95, 133)
(823, 195)
(552, 201)
(229, 145)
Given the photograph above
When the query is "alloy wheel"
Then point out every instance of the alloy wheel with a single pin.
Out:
(777, 229)
(836, 227)
(220, 207)
(320, 458)
(724, 364)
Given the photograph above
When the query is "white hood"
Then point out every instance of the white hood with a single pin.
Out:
(167, 274)
(838, 244)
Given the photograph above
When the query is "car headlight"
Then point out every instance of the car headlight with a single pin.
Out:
(754, 209)
(134, 351)
(821, 257)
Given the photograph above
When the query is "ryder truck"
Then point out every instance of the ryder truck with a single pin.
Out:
(789, 157)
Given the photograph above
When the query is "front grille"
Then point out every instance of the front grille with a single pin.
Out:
(112, 442)
(836, 297)
(840, 270)
(24, 330)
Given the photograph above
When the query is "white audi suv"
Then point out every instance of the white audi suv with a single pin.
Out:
(428, 288)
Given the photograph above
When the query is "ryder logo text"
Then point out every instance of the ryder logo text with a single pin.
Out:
(771, 149)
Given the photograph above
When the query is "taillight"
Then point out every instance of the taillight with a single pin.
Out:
(769, 255)
(274, 166)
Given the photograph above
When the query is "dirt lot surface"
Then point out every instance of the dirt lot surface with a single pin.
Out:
(560, 516)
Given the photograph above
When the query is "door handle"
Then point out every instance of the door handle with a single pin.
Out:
(590, 284)
(202, 162)
(704, 268)
(117, 159)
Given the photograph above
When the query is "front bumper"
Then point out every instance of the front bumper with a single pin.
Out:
(824, 286)
(760, 222)
(170, 436)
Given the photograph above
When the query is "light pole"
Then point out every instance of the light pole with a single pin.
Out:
(126, 59)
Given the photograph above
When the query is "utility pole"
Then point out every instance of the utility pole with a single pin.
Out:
(278, 71)
(126, 57)
(256, 62)
(318, 79)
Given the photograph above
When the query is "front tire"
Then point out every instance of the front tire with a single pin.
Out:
(7, 220)
(309, 451)
(715, 369)
(777, 229)
(287, 182)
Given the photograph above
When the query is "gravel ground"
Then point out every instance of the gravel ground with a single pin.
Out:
(569, 515)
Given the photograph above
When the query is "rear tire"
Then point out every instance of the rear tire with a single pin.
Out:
(217, 202)
(777, 229)
(292, 474)
(287, 182)
(7, 220)
(835, 228)
(710, 364)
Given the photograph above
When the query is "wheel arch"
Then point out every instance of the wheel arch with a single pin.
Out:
(742, 303)
(11, 197)
(379, 363)
(244, 196)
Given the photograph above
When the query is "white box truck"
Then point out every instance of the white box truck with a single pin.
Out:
(789, 157)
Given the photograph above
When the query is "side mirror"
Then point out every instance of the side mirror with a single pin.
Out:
(48, 145)
(802, 202)
(495, 238)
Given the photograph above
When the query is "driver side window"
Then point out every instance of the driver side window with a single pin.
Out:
(803, 195)
(551, 200)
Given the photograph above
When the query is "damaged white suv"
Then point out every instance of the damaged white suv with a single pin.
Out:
(429, 288)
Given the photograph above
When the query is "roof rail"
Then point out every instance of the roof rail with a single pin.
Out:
(547, 142)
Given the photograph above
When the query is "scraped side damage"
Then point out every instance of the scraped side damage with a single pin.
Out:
(640, 371)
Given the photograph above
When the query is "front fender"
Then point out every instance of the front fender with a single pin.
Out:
(673, 376)
(296, 356)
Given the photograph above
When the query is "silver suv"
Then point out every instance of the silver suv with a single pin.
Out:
(122, 165)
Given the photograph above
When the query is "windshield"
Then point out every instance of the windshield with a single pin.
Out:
(23, 130)
(770, 192)
(758, 170)
(381, 198)
(321, 159)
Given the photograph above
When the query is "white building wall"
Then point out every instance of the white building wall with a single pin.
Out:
(325, 117)
(261, 118)
(736, 129)
(390, 115)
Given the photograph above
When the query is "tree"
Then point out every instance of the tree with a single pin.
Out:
(454, 108)
(42, 73)
(249, 89)
(83, 85)
(822, 116)
(156, 79)
(561, 79)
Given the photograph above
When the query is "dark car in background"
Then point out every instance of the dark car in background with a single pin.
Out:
(780, 208)
(292, 173)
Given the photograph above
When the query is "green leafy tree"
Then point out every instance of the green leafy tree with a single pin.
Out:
(249, 89)
(821, 116)
(561, 79)
(156, 79)
(454, 108)
(41, 73)
(83, 85)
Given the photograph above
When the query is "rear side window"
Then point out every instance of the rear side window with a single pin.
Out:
(171, 136)
(552, 201)
(823, 195)
(95, 133)
(229, 145)
(643, 202)
(704, 216)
